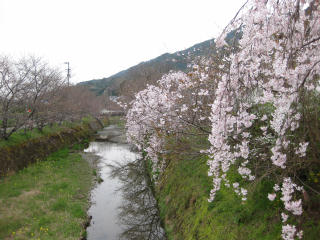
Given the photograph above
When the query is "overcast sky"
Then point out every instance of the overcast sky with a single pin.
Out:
(102, 37)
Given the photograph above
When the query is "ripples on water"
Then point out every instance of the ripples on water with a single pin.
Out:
(123, 204)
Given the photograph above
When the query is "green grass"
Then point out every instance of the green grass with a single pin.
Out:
(183, 193)
(116, 120)
(10, 122)
(47, 200)
(22, 136)
(87, 119)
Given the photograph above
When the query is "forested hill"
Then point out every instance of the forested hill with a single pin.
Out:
(135, 78)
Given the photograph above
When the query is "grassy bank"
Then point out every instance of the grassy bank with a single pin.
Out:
(37, 146)
(47, 200)
(116, 120)
(22, 136)
(183, 193)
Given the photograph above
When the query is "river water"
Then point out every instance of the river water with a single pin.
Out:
(123, 206)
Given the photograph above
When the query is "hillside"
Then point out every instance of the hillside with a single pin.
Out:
(136, 77)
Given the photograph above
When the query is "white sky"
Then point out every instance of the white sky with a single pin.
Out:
(102, 37)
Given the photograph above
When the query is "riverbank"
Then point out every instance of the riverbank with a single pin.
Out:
(183, 191)
(45, 183)
(47, 200)
(24, 149)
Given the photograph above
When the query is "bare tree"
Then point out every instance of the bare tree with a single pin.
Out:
(33, 94)
(75, 102)
(12, 88)
(44, 82)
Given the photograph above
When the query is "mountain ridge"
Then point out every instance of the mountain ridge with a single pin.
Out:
(136, 77)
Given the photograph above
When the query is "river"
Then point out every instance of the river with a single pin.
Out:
(123, 206)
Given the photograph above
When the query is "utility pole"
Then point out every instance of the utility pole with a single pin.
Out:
(68, 73)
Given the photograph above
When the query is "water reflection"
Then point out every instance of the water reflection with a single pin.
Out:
(123, 206)
(138, 212)
(104, 197)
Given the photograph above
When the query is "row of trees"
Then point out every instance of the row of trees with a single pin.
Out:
(34, 94)
(256, 101)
